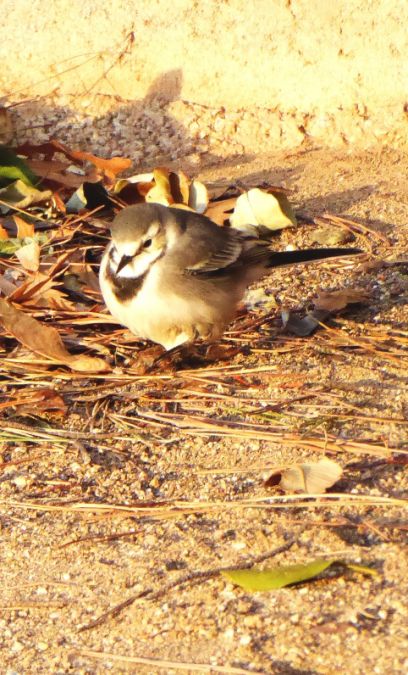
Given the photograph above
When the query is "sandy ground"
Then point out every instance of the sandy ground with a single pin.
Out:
(62, 569)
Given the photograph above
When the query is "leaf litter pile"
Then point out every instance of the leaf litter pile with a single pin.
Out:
(75, 383)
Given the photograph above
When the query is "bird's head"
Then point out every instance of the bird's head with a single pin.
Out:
(140, 235)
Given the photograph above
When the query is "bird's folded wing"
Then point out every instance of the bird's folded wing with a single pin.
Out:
(212, 251)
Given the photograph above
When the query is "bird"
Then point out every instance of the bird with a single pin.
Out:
(173, 276)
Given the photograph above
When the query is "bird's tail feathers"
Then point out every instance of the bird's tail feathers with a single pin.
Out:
(281, 258)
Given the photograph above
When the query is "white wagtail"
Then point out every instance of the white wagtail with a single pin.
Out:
(173, 276)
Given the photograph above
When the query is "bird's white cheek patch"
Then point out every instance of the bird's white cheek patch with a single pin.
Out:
(138, 266)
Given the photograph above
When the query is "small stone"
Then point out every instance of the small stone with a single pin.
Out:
(245, 640)
(42, 646)
(20, 481)
(330, 236)
(229, 634)
(17, 647)
(238, 545)
(252, 621)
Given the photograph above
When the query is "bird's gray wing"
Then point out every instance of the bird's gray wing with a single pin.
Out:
(207, 248)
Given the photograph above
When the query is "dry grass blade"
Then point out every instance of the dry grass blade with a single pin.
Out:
(207, 427)
(358, 227)
(37, 606)
(160, 663)
(169, 509)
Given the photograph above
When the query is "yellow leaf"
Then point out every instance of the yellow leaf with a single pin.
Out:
(29, 256)
(161, 192)
(259, 208)
(24, 229)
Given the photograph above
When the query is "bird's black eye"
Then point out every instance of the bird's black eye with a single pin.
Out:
(147, 243)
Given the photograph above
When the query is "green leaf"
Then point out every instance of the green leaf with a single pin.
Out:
(279, 577)
(20, 195)
(362, 569)
(276, 577)
(9, 246)
(14, 168)
(12, 244)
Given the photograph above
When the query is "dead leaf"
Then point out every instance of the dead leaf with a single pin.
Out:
(161, 192)
(56, 172)
(37, 401)
(219, 212)
(86, 276)
(259, 208)
(179, 187)
(334, 301)
(29, 256)
(51, 298)
(24, 229)
(45, 340)
(34, 285)
(197, 197)
(311, 478)
(130, 192)
(20, 195)
(3, 233)
(110, 167)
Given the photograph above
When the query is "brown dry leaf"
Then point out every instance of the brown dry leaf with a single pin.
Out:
(86, 276)
(45, 340)
(29, 256)
(336, 300)
(131, 192)
(40, 283)
(24, 229)
(221, 211)
(37, 401)
(51, 298)
(55, 171)
(110, 167)
(32, 287)
(313, 478)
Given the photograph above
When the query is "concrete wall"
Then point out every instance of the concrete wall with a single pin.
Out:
(218, 76)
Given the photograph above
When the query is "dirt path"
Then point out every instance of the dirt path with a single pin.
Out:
(196, 438)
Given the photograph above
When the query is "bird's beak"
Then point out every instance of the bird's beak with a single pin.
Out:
(125, 260)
